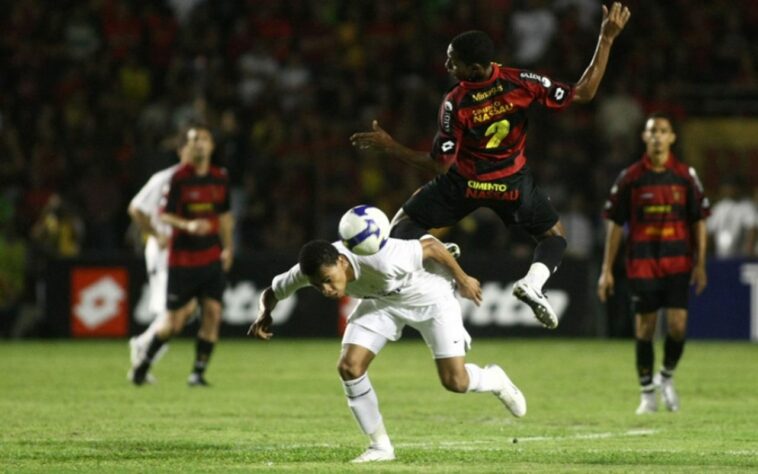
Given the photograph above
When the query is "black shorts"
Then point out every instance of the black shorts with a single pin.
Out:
(668, 292)
(185, 283)
(450, 197)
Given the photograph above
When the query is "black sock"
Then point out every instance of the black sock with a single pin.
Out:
(672, 352)
(645, 358)
(155, 345)
(203, 350)
(549, 251)
(152, 349)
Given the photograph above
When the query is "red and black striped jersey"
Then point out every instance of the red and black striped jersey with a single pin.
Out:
(659, 208)
(191, 196)
(482, 125)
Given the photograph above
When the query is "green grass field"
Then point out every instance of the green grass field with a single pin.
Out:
(66, 406)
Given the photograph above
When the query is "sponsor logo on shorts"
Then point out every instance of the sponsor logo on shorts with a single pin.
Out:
(485, 190)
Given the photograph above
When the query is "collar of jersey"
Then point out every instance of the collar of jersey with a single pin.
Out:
(471, 84)
(649, 163)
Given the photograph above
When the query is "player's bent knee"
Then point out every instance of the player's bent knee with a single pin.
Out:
(350, 369)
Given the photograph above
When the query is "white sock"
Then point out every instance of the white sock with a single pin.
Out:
(481, 380)
(537, 275)
(362, 400)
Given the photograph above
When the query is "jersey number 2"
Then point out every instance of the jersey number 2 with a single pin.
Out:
(498, 130)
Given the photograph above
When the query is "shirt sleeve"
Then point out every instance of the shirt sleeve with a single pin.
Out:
(407, 255)
(449, 134)
(550, 94)
(148, 198)
(698, 206)
(286, 284)
(617, 207)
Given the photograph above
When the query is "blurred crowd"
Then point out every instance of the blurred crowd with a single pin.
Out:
(94, 92)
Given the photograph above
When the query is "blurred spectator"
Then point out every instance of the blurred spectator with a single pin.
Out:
(59, 231)
(13, 268)
(532, 28)
(733, 221)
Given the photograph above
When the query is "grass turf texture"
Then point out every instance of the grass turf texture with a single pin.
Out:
(66, 406)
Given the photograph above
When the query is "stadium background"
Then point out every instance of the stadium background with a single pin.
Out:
(94, 91)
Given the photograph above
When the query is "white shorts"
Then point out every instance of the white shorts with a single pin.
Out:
(156, 261)
(373, 323)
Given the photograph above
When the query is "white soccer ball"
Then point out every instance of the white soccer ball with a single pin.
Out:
(364, 229)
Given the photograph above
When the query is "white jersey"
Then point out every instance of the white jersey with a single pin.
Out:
(148, 199)
(395, 275)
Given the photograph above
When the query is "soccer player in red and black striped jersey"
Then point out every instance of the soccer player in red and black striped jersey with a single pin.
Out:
(200, 251)
(479, 149)
(661, 201)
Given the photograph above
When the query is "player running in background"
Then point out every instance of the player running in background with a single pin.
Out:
(200, 251)
(144, 209)
(396, 290)
(661, 201)
(479, 148)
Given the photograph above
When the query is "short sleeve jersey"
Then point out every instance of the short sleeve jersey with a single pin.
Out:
(395, 274)
(483, 125)
(659, 208)
(192, 196)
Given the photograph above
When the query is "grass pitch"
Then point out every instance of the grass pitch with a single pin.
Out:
(66, 406)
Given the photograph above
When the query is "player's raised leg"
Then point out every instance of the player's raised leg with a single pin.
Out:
(547, 256)
(449, 341)
(360, 345)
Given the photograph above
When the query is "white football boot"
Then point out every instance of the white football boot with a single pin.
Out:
(648, 403)
(537, 301)
(509, 394)
(668, 392)
(376, 454)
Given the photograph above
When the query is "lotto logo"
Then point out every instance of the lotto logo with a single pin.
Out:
(99, 302)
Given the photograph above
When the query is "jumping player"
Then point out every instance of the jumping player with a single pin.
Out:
(479, 149)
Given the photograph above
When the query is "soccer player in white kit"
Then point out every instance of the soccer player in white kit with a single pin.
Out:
(144, 209)
(406, 282)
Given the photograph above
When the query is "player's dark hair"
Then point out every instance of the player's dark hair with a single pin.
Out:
(197, 126)
(316, 253)
(474, 47)
(662, 116)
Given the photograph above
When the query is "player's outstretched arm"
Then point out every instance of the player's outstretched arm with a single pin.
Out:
(614, 20)
(468, 286)
(261, 327)
(380, 141)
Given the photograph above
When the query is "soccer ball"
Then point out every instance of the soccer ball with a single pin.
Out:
(364, 229)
